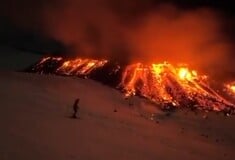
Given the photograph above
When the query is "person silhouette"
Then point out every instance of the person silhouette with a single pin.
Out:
(75, 108)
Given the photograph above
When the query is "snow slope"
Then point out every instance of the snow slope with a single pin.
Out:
(35, 124)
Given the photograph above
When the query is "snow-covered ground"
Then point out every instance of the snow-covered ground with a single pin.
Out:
(35, 123)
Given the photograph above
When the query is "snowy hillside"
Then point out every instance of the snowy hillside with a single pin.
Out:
(35, 124)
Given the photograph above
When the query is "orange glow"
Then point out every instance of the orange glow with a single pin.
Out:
(80, 66)
(230, 88)
(184, 74)
(233, 88)
(154, 78)
(47, 58)
(164, 82)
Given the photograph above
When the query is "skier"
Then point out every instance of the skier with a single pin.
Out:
(75, 108)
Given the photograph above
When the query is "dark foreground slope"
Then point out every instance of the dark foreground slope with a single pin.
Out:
(35, 124)
(13, 59)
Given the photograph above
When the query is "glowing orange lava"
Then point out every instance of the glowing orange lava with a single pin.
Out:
(230, 88)
(175, 85)
(80, 66)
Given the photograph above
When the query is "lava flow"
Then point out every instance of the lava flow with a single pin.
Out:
(71, 67)
(230, 88)
(166, 85)
(174, 86)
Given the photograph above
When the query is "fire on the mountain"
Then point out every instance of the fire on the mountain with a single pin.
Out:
(162, 83)
(175, 86)
(80, 66)
(230, 88)
(76, 66)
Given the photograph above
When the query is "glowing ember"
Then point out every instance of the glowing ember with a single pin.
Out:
(77, 66)
(80, 66)
(230, 88)
(164, 84)
(233, 88)
(185, 74)
(175, 86)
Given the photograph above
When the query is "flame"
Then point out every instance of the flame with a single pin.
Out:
(45, 59)
(184, 74)
(80, 66)
(233, 88)
(230, 88)
(77, 66)
(177, 86)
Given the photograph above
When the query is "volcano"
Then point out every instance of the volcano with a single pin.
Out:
(163, 84)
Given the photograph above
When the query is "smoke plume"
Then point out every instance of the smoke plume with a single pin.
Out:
(134, 31)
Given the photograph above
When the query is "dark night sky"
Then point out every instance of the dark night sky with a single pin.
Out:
(23, 23)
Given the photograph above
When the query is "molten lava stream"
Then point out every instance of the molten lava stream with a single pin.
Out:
(230, 89)
(164, 83)
(80, 66)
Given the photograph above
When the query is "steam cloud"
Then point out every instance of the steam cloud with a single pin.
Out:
(136, 31)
